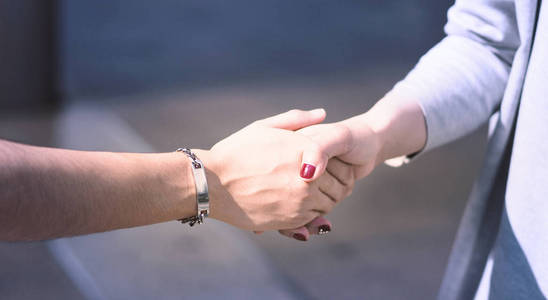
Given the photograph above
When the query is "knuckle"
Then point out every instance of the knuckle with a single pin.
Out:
(345, 134)
(315, 147)
(348, 176)
(351, 186)
(348, 191)
(295, 112)
(294, 216)
(317, 150)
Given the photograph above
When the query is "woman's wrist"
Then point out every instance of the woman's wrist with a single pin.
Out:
(398, 125)
(366, 138)
(392, 127)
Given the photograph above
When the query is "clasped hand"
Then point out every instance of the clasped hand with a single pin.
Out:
(256, 175)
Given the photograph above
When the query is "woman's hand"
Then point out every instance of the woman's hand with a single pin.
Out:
(393, 127)
(254, 175)
(356, 146)
(345, 157)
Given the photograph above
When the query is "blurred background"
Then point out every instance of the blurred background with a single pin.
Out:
(132, 75)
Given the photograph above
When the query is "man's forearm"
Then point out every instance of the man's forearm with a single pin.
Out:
(46, 193)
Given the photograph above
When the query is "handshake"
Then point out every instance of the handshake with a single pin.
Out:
(287, 171)
(281, 173)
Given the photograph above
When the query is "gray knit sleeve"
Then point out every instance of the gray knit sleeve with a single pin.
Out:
(460, 82)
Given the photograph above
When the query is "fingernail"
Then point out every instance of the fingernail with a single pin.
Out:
(324, 229)
(318, 111)
(299, 236)
(307, 171)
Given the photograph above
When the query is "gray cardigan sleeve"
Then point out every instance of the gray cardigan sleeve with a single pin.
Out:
(460, 82)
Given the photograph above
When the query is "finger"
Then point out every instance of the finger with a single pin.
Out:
(299, 234)
(342, 171)
(319, 225)
(320, 202)
(330, 186)
(331, 141)
(294, 119)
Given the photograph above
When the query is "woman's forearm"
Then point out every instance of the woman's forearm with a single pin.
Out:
(46, 193)
(397, 124)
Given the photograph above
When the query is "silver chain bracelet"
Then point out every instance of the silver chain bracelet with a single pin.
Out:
(202, 195)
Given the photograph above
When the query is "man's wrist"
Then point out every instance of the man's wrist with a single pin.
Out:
(216, 189)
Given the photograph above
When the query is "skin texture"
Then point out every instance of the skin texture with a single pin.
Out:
(253, 179)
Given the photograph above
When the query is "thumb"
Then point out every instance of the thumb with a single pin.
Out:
(294, 119)
(327, 141)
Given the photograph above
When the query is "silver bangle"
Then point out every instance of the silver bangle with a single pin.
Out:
(202, 195)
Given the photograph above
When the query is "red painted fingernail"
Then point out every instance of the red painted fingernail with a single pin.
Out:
(324, 229)
(299, 236)
(307, 171)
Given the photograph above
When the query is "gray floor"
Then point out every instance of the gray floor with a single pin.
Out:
(391, 238)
